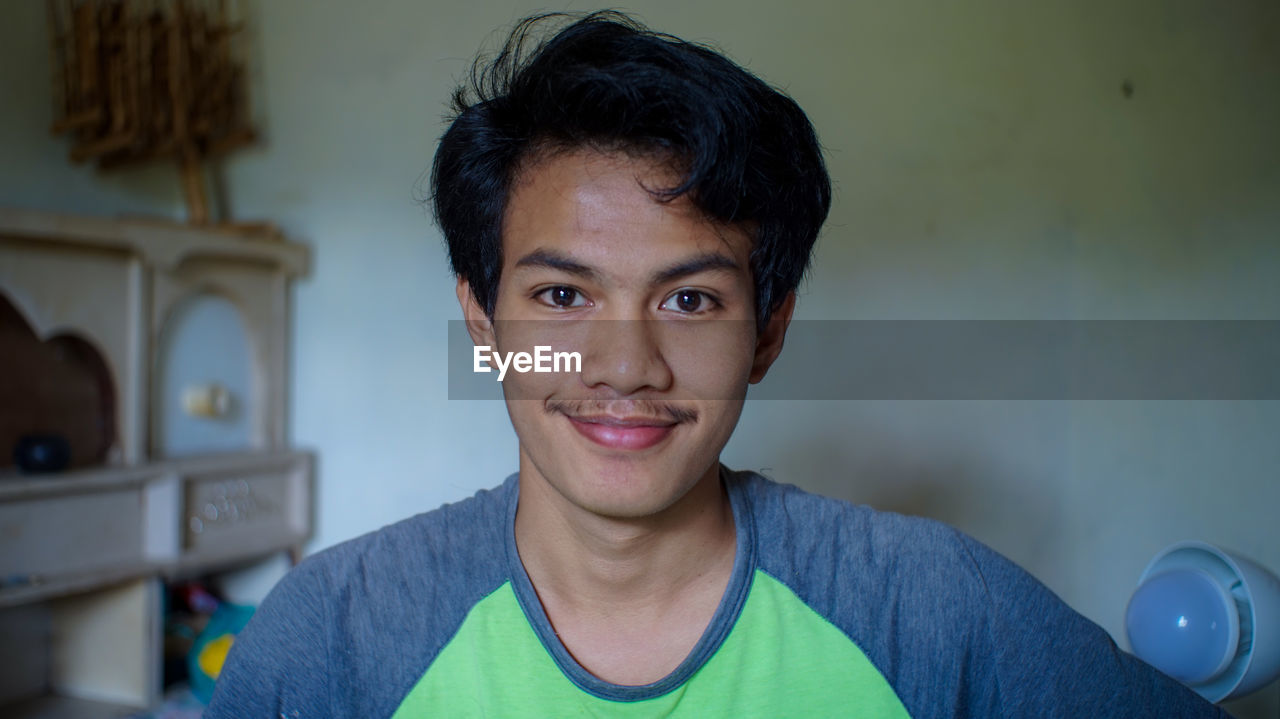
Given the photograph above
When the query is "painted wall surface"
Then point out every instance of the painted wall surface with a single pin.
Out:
(988, 165)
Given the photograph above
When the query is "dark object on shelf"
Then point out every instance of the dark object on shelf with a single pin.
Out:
(41, 453)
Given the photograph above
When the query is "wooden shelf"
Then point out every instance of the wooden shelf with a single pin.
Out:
(84, 553)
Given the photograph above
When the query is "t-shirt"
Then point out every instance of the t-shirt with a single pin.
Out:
(832, 609)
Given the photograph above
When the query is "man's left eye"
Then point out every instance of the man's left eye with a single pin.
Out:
(688, 301)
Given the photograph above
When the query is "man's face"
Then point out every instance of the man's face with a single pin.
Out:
(659, 303)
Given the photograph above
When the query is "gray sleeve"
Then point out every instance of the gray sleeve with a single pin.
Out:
(277, 667)
(1050, 661)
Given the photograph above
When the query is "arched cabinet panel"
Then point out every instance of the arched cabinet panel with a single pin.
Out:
(258, 292)
(206, 388)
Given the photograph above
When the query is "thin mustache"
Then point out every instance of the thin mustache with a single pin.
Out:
(647, 409)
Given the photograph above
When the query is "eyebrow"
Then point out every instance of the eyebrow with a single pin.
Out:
(557, 261)
(706, 262)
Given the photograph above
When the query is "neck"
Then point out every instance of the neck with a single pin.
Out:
(585, 564)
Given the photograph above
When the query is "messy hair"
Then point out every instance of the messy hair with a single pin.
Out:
(746, 153)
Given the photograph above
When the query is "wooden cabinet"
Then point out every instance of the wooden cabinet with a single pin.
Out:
(167, 482)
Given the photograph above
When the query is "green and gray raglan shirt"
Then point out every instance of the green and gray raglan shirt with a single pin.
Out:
(833, 610)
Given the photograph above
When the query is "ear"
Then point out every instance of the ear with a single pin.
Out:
(479, 326)
(769, 341)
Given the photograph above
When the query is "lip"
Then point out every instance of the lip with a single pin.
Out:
(623, 432)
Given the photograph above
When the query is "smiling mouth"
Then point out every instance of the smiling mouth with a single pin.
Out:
(625, 433)
(623, 424)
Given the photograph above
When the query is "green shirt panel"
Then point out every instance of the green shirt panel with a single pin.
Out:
(781, 659)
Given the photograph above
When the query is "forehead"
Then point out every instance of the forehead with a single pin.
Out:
(600, 208)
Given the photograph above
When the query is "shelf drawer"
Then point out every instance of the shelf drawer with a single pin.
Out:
(87, 528)
(51, 536)
(224, 514)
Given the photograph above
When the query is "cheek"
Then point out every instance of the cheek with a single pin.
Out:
(711, 360)
(535, 429)
(722, 416)
(548, 347)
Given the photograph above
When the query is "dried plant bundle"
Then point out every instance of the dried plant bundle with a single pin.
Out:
(138, 80)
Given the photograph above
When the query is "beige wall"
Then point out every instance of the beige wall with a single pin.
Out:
(987, 165)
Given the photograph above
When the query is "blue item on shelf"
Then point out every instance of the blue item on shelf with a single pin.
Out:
(210, 649)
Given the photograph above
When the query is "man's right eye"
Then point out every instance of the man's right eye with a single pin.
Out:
(563, 297)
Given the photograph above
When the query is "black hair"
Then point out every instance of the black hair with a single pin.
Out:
(747, 153)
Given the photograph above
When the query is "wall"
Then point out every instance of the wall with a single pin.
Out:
(987, 164)
(203, 338)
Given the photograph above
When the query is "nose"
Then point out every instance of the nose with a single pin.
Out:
(626, 356)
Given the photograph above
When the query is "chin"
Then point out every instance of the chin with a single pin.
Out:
(623, 488)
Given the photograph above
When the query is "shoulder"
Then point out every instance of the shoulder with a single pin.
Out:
(809, 537)
(905, 590)
(956, 628)
(417, 577)
(374, 611)
(455, 543)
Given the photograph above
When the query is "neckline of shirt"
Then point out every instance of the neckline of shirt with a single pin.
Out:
(726, 614)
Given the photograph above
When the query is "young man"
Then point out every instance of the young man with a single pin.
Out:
(651, 205)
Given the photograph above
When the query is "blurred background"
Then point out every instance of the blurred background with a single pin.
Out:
(991, 160)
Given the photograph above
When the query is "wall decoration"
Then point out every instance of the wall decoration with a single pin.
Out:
(139, 80)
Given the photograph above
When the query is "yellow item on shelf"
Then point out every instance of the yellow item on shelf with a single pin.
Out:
(214, 654)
